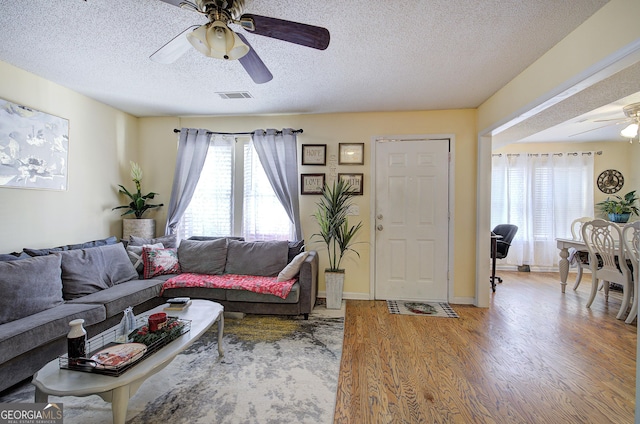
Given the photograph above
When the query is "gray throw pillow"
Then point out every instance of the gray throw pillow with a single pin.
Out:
(203, 256)
(295, 248)
(168, 242)
(29, 286)
(201, 238)
(262, 258)
(86, 271)
(85, 245)
(4, 257)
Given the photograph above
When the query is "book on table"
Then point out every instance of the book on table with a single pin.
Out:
(178, 304)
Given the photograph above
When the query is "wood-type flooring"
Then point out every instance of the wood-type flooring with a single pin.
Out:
(535, 356)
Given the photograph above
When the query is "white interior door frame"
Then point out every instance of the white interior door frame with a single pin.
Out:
(451, 205)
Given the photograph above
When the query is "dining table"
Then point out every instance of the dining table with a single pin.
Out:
(564, 244)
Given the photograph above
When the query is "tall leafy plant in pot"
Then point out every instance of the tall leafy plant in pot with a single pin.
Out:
(337, 233)
(137, 207)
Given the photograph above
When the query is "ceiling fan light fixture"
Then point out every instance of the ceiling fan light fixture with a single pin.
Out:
(198, 39)
(218, 41)
(631, 131)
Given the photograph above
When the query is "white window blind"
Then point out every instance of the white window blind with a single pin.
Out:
(264, 218)
(542, 195)
(232, 179)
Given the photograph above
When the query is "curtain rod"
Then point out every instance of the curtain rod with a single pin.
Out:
(599, 152)
(175, 130)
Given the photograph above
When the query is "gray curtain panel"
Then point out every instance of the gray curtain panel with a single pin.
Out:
(192, 152)
(278, 153)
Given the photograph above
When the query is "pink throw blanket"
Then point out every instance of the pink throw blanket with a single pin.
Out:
(263, 285)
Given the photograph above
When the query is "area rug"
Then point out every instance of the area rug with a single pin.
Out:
(431, 309)
(275, 370)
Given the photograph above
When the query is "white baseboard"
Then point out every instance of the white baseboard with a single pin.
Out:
(348, 295)
(463, 301)
(365, 296)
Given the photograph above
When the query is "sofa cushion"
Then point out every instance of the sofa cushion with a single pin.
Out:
(203, 257)
(14, 256)
(135, 254)
(170, 241)
(262, 258)
(94, 243)
(204, 238)
(160, 261)
(248, 296)
(29, 286)
(207, 293)
(27, 333)
(86, 271)
(293, 267)
(117, 298)
(295, 248)
(85, 245)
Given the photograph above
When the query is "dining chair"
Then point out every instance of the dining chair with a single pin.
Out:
(581, 258)
(605, 244)
(631, 236)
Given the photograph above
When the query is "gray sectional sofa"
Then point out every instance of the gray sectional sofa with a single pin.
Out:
(44, 289)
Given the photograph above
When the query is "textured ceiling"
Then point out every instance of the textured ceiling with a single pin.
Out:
(383, 56)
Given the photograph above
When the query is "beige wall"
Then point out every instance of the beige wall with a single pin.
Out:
(618, 155)
(157, 140)
(102, 140)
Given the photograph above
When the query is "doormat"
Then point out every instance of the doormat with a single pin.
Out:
(430, 309)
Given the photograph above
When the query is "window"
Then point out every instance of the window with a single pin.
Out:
(542, 195)
(234, 196)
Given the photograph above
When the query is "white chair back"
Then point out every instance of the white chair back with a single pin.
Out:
(605, 244)
(631, 236)
(576, 227)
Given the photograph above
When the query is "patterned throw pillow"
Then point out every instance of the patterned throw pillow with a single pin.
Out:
(135, 254)
(160, 261)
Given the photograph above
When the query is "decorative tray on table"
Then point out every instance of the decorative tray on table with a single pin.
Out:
(112, 354)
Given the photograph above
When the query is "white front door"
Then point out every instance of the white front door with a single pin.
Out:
(411, 218)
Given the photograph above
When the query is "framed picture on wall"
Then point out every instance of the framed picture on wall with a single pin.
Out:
(314, 154)
(351, 154)
(356, 182)
(311, 183)
(38, 151)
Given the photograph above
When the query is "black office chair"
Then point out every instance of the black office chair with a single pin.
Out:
(501, 247)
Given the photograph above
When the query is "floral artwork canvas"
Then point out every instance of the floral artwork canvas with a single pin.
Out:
(34, 148)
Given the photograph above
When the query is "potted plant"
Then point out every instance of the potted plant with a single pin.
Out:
(138, 206)
(619, 209)
(337, 234)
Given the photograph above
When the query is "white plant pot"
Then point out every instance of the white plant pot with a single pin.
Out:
(335, 283)
(145, 227)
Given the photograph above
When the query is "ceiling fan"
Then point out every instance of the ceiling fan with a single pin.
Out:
(632, 113)
(215, 38)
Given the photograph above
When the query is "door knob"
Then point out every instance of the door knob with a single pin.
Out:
(379, 216)
(379, 227)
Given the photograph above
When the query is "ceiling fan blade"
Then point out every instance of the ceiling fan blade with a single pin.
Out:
(180, 2)
(294, 32)
(613, 119)
(593, 129)
(175, 48)
(254, 66)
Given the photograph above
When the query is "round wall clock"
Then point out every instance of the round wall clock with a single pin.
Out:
(610, 181)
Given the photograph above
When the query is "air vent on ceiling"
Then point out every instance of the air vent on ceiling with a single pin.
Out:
(235, 95)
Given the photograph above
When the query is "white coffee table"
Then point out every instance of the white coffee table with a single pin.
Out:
(51, 380)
